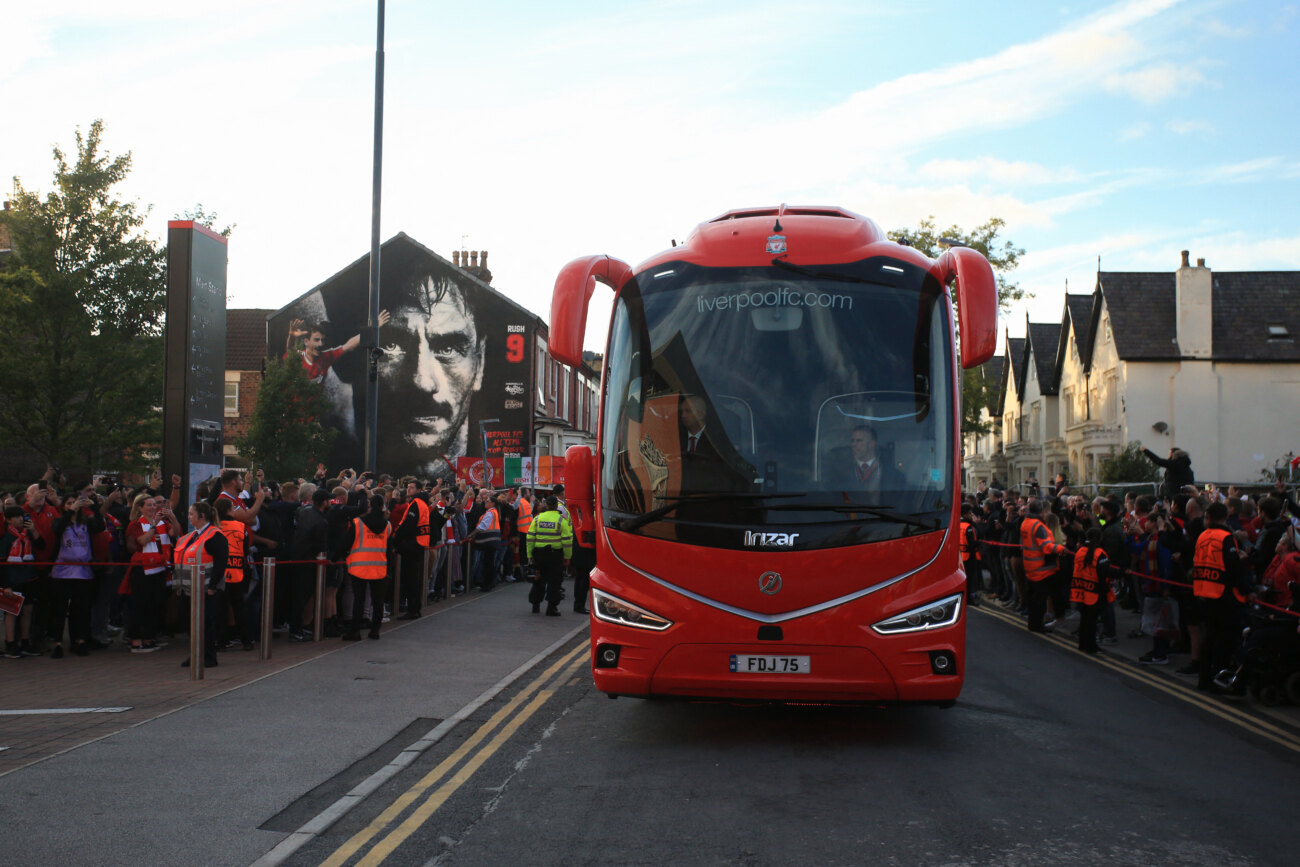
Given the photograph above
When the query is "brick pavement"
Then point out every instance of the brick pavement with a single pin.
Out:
(151, 685)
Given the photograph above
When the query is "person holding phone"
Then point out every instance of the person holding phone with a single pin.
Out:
(19, 543)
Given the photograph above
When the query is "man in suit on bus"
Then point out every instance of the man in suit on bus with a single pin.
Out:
(861, 467)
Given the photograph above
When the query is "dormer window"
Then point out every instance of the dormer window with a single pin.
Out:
(1278, 332)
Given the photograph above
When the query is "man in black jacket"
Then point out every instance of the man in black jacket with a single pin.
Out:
(1178, 471)
(309, 542)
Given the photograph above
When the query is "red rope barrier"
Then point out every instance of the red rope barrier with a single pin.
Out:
(1161, 580)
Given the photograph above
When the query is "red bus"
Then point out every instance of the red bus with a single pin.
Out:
(774, 495)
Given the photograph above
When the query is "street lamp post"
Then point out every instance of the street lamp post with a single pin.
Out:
(482, 432)
(372, 323)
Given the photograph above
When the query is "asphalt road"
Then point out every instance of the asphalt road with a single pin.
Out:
(476, 739)
(1049, 758)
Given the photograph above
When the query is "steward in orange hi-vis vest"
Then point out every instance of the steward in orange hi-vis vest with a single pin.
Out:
(235, 532)
(1090, 588)
(1036, 545)
(1216, 570)
(368, 558)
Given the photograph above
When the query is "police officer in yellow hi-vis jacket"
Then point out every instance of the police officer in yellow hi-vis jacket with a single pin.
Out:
(550, 545)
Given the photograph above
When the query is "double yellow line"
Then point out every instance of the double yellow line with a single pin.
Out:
(1236, 716)
(508, 719)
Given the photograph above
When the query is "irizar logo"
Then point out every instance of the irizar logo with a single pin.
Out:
(785, 540)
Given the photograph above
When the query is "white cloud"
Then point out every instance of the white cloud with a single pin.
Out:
(1187, 127)
(997, 171)
(1136, 131)
(1155, 83)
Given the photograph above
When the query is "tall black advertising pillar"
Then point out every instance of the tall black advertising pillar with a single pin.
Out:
(194, 395)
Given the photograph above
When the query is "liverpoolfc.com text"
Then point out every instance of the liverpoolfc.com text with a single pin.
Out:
(783, 297)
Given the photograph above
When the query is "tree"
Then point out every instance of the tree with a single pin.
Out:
(1128, 466)
(204, 217)
(977, 391)
(285, 435)
(82, 303)
(1003, 255)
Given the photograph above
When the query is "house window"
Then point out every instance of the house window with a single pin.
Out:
(232, 397)
(1278, 332)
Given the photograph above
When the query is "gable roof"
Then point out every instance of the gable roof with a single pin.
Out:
(246, 338)
(1077, 315)
(1143, 315)
(1143, 318)
(1011, 369)
(1044, 338)
(1244, 304)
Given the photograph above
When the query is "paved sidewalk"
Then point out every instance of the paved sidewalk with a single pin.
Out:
(146, 685)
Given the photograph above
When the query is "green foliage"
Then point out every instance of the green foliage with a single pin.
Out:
(285, 435)
(1129, 465)
(82, 303)
(977, 392)
(204, 217)
(1003, 255)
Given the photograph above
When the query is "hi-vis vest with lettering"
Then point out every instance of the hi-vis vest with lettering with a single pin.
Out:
(368, 558)
(1036, 543)
(422, 532)
(235, 531)
(1085, 586)
(190, 548)
(525, 519)
(1209, 573)
(964, 543)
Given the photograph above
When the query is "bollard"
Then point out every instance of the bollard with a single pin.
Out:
(318, 628)
(396, 578)
(197, 592)
(268, 606)
(425, 576)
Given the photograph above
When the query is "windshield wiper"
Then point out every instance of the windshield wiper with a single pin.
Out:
(876, 510)
(626, 524)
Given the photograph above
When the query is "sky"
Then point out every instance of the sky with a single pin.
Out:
(1122, 132)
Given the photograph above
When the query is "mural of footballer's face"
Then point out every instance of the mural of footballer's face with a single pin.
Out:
(432, 367)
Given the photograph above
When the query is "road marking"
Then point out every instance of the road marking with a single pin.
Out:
(331, 814)
(1231, 714)
(411, 795)
(40, 711)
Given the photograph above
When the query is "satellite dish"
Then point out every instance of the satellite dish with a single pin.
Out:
(1160, 427)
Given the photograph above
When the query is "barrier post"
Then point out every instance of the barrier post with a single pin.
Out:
(425, 576)
(397, 590)
(197, 592)
(318, 627)
(268, 606)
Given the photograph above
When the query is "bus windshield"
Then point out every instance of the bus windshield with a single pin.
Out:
(784, 407)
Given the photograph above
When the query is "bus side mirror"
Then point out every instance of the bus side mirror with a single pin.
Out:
(580, 493)
(573, 290)
(977, 303)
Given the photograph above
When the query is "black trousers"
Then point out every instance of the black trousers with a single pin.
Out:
(550, 572)
(375, 587)
(1088, 616)
(72, 598)
(1038, 592)
(243, 599)
(148, 598)
(1221, 631)
(300, 581)
(584, 560)
(411, 577)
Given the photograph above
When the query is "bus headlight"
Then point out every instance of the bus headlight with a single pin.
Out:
(611, 609)
(933, 616)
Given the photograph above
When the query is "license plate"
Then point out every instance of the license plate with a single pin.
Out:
(749, 664)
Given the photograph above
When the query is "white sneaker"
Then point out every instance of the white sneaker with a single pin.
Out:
(1049, 621)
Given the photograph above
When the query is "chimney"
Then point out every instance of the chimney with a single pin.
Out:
(473, 260)
(1192, 292)
(482, 258)
(455, 258)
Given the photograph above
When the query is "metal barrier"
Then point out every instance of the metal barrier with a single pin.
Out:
(318, 612)
(197, 593)
(268, 607)
(426, 575)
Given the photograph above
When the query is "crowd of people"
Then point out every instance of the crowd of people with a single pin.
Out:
(90, 565)
(1198, 564)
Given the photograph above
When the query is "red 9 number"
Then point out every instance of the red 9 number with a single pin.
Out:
(515, 348)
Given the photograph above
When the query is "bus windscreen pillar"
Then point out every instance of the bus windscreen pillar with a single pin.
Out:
(194, 395)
